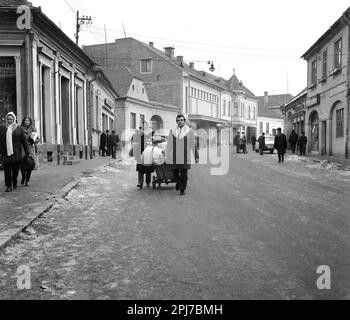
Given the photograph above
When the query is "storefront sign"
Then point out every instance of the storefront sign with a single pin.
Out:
(313, 101)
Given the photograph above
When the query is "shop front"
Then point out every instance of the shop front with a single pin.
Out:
(8, 101)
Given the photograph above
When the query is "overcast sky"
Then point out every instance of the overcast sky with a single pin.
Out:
(262, 40)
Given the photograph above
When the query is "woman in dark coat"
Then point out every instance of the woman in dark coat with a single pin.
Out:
(33, 139)
(139, 141)
(12, 139)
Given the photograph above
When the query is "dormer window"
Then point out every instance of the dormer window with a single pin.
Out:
(146, 66)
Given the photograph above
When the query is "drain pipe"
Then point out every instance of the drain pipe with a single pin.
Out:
(347, 21)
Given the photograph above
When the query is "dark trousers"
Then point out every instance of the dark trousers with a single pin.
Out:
(302, 150)
(280, 157)
(253, 145)
(11, 174)
(26, 175)
(294, 146)
(114, 152)
(141, 178)
(181, 177)
(110, 150)
(103, 151)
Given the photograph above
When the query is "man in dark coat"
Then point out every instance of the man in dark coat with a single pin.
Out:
(261, 141)
(253, 141)
(302, 144)
(109, 144)
(103, 144)
(293, 140)
(236, 142)
(114, 141)
(12, 139)
(280, 145)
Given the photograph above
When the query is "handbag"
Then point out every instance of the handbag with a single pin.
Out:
(28, 163)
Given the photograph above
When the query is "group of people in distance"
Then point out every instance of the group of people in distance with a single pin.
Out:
(17, 144)
(109, 144)
(280, 143)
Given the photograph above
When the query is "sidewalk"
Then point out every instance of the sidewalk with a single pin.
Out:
(20, 207)
(338, 161)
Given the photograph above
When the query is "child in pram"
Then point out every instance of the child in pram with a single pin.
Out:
(155, 156)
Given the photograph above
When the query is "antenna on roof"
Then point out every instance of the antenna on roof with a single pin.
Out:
(124, 30)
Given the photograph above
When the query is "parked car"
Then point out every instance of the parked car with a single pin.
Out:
(269, 144)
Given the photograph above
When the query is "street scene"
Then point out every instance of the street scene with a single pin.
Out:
(139, 167)
(263, 237)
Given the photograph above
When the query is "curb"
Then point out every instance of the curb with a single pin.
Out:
(7, 236)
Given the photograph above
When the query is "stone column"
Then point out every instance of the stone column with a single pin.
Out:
(20, 112)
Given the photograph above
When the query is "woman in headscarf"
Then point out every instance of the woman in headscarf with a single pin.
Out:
(12, 139)
(33, 139)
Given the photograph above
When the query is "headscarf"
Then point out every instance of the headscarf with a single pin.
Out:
(9, 132)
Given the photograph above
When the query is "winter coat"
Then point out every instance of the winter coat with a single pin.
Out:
(19, 140)
(253, 140)
(236, 140)
(113, 139)
(281, 143)
(140, 140)
(103, 140)
(261, 141)
(302, 141)
(181, 150)
(31, 143)
(293, 138)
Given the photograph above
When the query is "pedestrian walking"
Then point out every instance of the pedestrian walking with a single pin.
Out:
(293, 140)
(181, 153)
(262, 145)
(253, 141)
(140, 140)
(236, 142)
(114, 141)
(302, 144)
(109, 144)
(12, 139)
(103, 144)
(243, 143)
(280, 145)
(28, 164)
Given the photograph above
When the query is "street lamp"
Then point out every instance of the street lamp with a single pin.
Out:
(212, 68)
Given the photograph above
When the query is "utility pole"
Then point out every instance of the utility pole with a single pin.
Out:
(80, 21)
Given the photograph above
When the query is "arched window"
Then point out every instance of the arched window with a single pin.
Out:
(156, 123)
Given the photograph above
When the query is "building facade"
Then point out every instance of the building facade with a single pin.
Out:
(328, 90)
(270, 116)
(209, 101)
(44, 75)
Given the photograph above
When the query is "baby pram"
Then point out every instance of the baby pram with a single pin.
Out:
(155, 156)
(164, 174)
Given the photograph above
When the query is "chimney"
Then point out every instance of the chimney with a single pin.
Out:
(191, 65)
(180, 59)
(169, 51)
(266, 99)
(151, 44)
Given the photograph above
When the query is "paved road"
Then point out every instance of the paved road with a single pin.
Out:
(259, 232)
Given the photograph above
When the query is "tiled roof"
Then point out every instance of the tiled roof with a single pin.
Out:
(14, 3)
(120, 78)
(273, 101)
